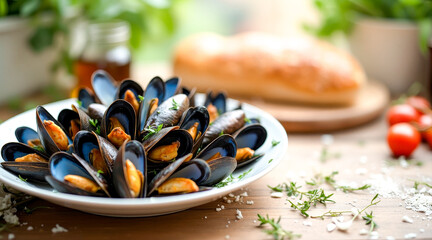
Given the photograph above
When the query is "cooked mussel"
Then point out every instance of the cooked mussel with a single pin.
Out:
(71, 174)
(196, 121)
(28, 136)
(104, 86)
(75, 120)
(227, 123)
(197, 170)
(249, 138)
(216, 104)
(130, 171)
(51, 133)
(25, 161)
(96, 111)
(191, 95)
(119, 123)
(220, 168)
(86, 97)
(153, 96)
(130, 91)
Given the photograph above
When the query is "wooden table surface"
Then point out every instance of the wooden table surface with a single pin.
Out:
(300, 163)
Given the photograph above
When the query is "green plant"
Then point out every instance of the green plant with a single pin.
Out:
(52, 20)
(340, 15)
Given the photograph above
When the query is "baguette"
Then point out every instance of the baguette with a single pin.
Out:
(263, 66)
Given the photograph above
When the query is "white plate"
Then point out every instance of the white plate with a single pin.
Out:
(153, 205)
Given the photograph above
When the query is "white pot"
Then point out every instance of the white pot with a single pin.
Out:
(389, 52)
(22, 70)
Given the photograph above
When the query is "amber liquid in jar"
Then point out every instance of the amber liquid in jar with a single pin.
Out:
(106, 49)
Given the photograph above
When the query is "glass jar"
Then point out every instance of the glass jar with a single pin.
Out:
(106, 48)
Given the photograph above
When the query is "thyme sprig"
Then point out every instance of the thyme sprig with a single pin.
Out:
(275, 143)
(418, 183)
(95, 123)
(175, 105)
(151, 131)
(329, 179)
(231, 179)
(277, 231)
(369, 218)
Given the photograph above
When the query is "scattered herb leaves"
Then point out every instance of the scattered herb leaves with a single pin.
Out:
(79, 102)
(244, 174)
(277, 231)
(152, 131)
(96, 125)
(22, 179)
(270, 160)
(175, 105)
(247, 120)
(221, 133)
(275, 143)
(39, 148)
(326, 155)
(30, 211)
(369, 218)
(329, 179)
(141, 98)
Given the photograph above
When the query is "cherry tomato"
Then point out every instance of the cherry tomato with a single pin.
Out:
(428, 137)
(419, 103)
(424, 122)
(403, 139)
(402, 113)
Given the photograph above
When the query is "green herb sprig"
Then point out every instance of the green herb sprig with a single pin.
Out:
(175, 105)
(141, 98)
(151, 131)
(277, 231)
(369, 218)
(96, 125)
(275, 143)
(329, 179)
(231, 179)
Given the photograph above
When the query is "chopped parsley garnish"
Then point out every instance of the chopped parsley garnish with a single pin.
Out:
(96, 125)
(39, 148)
(175, 105)
(99, 172)
(244, 174)
(151, 131)
(275, 143)
(231, 179)
(247, 120)
(22, 179)
(79, 103)
(30, 211)
(270, 160)
(221, 133)
(141, 98)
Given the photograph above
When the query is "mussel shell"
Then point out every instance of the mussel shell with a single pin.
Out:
(134, 151)
(247, 161)
(66, 116)
(86, 141)
(165, 173)
(125, 113)
(224, 144)
(218, 100)
(86, 97)
(155, 89)
(128, 84)
(62, 164)
(220, 169)
(197, 170)
(24, 134)
(185, 139)
(226, 123)
(191, 95)
(96, 111)
(31, 170)
(172, 87)
(166, 114)
(104, 86)
(192, 115)
(49, 145)
(252, 136)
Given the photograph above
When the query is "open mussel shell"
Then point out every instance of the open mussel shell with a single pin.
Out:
(27, 136)
(252, 136)
(134, 152)
(49, 145)
(96, 111)
(135, 88)
(225, 145)
(86, 141)
(66, 116)
(165, 173)
(191, 95)
(86, 97)
(154, 90)
(104, 86)
(168, 113)
(196, 115)
(197, 170)
(172, 87)
(165, 139)
(124, 113)
(226, 123)
(217, 100)
(62, 164)
(35, 171)
(220, 169)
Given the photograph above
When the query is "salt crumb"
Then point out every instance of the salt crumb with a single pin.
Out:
(205, 217)
(276, 194)
(11, 236)
(363, 159)
(227, 236)
(226, 226)
(343, 226)
(407, 219)
(58, 229)
(307, 223)
(363, 231)
(331, 227)
(222, 207)
(403, 162)
(239, 214)
(374, 235)
(228, 201)
(29, 228)
(224, 198)
(327, 139)
(245, 194)
(218, 209)
(254, 221)
(25, 223)
(390, 238)
(237, 198)
(410, 236)
(250, 202)
(231, 195)
(421, 230)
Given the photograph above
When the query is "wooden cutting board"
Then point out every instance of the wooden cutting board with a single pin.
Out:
(370, 104)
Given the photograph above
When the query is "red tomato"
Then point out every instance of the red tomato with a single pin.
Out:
(428, 137)
(425, 122)
(402, 113)
(403, 139)
(419, 103)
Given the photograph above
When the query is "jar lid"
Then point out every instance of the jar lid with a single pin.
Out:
(108, 31)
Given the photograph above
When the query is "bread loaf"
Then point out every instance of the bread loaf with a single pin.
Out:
(264, 66)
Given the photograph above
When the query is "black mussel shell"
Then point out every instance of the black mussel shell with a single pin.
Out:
(104, 86)
(252, 136)
(31, 170)
(62, 164)
(196, 169)
(226, 123)
(134, 151)
(172, 87)
(96, 111)
(191, 95)
(185, 139)
(165, 173)
(168, 113)
(155, 89)
(224, 144)
(220, 169)
(125, 113)
(190, 117)
(129, 85)
(49, 145)
(66, 116)
(86, 97)
(26, 134)
(218, 100)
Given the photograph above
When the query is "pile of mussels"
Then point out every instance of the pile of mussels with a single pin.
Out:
(124, 141)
